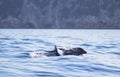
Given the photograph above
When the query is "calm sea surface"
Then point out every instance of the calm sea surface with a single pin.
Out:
(102, 60)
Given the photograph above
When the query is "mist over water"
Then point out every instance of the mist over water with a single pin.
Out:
(102, 58)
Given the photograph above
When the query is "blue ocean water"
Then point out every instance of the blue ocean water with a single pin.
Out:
(102, 58)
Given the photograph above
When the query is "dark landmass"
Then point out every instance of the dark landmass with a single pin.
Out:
(60, 14)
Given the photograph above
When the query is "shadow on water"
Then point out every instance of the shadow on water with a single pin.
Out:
(116, 53)
(100, 47)
(87, 45)
(64, 37)
(47, 74)
(6, 38)
(14, 47)
(16, 43)
(106, 66)
(104, 70)
(68, 37)
(22, 55)
(38, 41)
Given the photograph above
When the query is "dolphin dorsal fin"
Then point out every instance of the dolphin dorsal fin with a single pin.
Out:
(57, 53)
(55, 48)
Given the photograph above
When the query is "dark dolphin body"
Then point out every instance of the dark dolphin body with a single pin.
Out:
(74, 51)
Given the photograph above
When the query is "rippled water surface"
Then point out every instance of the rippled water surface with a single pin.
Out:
(102, 60)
